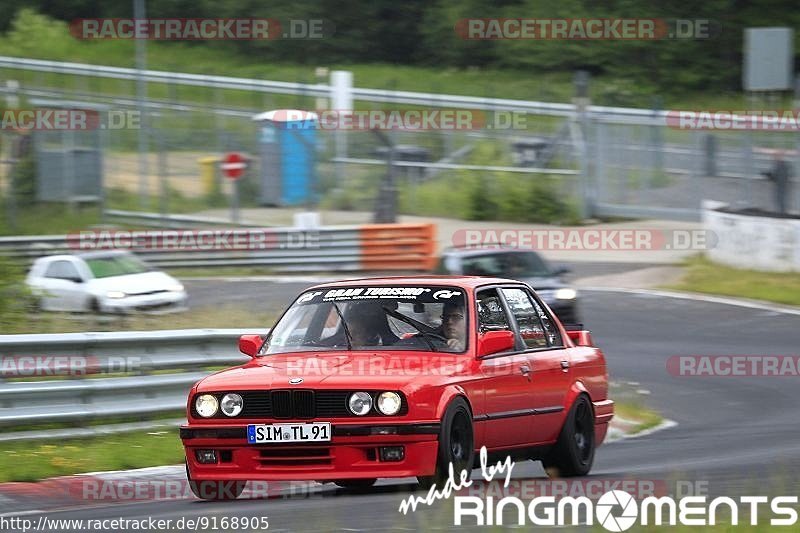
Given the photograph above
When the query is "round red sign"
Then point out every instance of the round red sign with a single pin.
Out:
(234, 165)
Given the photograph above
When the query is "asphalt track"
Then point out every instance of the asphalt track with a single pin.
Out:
(734, 435)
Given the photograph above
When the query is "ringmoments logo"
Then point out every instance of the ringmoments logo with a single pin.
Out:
(615, 510)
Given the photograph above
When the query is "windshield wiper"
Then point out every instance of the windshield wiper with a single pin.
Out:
(344, 326)
(412, 322)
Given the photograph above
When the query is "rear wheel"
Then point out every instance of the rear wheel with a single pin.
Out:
(456, 445)
(573, 454)
(215, 490)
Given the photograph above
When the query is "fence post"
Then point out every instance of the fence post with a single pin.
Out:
(581, 100)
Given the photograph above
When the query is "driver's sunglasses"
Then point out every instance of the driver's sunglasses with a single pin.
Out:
(452, 316)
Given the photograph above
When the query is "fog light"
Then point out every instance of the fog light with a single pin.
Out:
(392, 453)
(206, 456)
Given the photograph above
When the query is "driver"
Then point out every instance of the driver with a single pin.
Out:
(454, 325)
(367, 325)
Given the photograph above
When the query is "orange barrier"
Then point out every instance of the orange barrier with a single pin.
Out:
(398, 246)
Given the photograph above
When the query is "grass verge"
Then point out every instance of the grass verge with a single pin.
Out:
(222, 316)
(27, 461)
(636, 416)
(707, 277)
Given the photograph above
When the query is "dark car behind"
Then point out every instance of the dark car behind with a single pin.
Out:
(522, 265)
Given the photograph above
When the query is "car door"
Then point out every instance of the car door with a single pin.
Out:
(548, 360)
(508, 403)
(63, 287)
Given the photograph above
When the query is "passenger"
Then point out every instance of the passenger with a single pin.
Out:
(454, 325)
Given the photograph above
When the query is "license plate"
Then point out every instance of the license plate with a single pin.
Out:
(313, 432)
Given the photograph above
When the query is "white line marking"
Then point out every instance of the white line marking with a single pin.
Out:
(620, 435)
(751, 304)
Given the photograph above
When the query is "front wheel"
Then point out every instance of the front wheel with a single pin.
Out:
(456, 445)
(573, 453)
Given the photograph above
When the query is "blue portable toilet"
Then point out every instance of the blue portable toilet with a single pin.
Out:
(287, 144)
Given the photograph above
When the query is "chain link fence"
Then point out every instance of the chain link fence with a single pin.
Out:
(519, 168)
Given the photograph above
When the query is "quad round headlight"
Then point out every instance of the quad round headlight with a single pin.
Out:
(206, 405)
(232, 404)
(566, 294)
(360, 403)
(389, 403)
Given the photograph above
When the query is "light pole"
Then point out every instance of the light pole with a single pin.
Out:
(139, 12)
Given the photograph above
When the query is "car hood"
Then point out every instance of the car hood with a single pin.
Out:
(335, 370)
(134, 283)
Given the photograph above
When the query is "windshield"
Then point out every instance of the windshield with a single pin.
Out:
(115, 265)
(506, 265)
(369, 318)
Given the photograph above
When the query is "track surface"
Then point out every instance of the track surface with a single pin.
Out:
(740, 435)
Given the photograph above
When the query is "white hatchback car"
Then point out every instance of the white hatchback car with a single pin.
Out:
(103, 282)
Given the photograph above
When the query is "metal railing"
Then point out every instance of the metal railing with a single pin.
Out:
(324, 90)
(156, 369)
(343, 248)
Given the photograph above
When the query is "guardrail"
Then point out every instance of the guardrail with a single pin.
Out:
(78, 395)
(138, 218)
(346, 248)
(369, 95)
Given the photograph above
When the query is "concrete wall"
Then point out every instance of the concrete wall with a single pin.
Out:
(753, 242)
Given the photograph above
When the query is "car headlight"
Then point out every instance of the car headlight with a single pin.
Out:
(115, 295)
(389, 403)
(175, 287)
(566, 294)
(360, 403)
(206, 405)
(231, 404)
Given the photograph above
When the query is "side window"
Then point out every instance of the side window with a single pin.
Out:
(491, 315)
(61, 270)
(553, 335)
(527, 316)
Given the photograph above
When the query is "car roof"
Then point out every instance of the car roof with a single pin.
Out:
(487, 250)
(465, 282)
(102, 253)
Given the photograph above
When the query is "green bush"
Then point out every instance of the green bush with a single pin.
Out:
(15, 298)
(23, 182)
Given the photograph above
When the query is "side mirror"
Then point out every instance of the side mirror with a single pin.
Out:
(581, 337)
(493, 342)
(249, 344)
(74, 279)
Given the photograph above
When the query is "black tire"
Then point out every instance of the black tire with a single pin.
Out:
(215, 490)
(355, 484)
(573, 453)
(456, 445)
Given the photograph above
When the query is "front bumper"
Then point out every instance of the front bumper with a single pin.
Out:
(352, 453)
(161, 302)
